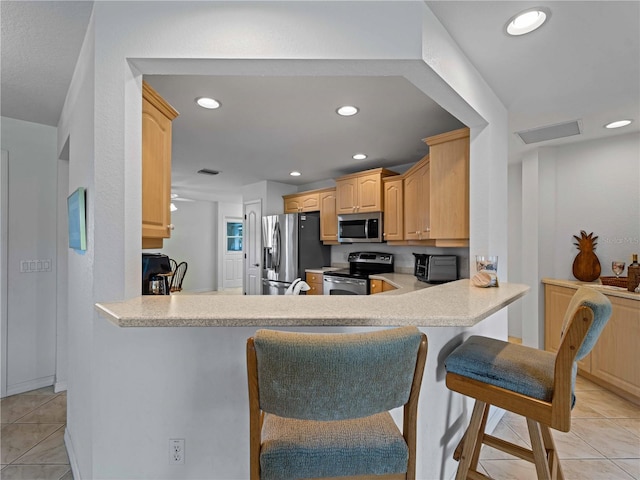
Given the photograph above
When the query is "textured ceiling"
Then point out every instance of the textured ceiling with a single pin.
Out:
(584, 64)
(40, 46)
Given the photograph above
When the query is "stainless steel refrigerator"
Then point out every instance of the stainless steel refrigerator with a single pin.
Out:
(291, 244)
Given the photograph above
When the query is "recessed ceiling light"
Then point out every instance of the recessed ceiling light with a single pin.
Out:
(206, 102)
(347, 110)
(618, 124)
(527, 21)
(359, 156)
(295, 174)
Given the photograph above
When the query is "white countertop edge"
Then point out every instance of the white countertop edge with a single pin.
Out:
(453, 304)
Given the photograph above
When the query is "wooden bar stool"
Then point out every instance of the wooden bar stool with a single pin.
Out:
(536, 384)
(319, 403)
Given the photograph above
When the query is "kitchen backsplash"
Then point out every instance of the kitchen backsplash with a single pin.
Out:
(403, 256)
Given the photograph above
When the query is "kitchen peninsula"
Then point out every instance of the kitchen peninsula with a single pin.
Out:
(171, 375)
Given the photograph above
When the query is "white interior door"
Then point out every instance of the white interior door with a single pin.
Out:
(232, 265)
(253, 248)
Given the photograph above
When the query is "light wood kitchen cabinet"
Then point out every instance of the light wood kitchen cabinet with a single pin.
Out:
(361, 192)
(417, 200)
(328, 216)
(157, 116)
(436, 194)
(393, 208)
(379, 286)
(315, 282)
(613, 362)
(449, 159)
(301, 202)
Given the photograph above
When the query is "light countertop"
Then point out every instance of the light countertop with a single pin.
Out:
(607, 289)
(451, 304)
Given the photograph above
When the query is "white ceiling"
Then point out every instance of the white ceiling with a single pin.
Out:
(584, 64)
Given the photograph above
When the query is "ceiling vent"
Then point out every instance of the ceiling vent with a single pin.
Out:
(206, 171)
(551, 132)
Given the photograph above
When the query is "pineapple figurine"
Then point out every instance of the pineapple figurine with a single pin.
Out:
(586, 266)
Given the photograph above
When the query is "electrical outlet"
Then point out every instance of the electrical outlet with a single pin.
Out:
(176, 451)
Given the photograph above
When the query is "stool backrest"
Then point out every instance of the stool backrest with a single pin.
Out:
(335, 376)
(601, 307)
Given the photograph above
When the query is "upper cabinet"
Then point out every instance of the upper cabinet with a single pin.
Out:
(393, 208)
(157, 116)
(301, 202)
(361, 192)
(328, 216)
(449, 159)
(436, 195)
(417, 201)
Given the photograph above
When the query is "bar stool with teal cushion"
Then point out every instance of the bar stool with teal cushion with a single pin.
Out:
(319, 403)
(536, 384)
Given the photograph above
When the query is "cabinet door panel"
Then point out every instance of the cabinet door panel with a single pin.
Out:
(156, 172)
(424, 202)
(346, 196)
(450, 191)
(328, 217)
(393, 210)
(369, 193)
(556, 301)
(616, 357)
(411, 205)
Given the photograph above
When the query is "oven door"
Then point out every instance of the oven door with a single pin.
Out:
(344, 286)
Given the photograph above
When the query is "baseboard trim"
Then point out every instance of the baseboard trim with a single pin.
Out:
(60, 387)
(73, 461)
(30, 385)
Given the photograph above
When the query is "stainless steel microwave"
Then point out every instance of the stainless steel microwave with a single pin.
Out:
(360, 227)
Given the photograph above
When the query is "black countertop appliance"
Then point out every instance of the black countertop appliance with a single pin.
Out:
(435, 268)
(155, 266)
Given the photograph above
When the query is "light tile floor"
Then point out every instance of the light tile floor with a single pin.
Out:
(603, 444)
(32, 436)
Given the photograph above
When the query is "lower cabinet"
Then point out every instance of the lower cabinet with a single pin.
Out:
(613, 362)
(379, 286)
(315, 282)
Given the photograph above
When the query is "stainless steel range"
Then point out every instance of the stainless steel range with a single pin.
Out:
(355, 279)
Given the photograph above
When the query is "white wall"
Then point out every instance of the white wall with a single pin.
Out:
(102, 115)
(194, 240)
(592, 186)
(515, 245)
(62, 276)
(31, 312)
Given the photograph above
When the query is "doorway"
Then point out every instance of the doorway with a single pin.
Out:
(232, 271)
(253, 247)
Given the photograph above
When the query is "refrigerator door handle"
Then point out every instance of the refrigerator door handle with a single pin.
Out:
(276, 246)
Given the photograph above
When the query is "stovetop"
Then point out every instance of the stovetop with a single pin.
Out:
(363, 264)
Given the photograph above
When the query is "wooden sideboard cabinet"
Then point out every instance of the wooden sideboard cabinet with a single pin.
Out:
(315, 282)
(361, 192)
(613, 362)
(157, 116)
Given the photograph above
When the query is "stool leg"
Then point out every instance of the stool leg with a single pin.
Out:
(539, 452)
(471, 439)
(552, 453)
